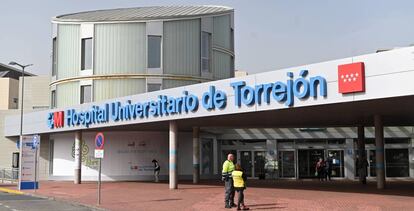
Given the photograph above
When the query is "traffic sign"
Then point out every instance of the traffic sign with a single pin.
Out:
(99, 141)
(99, 153)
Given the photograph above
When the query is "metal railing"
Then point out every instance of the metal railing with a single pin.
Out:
(9, 175)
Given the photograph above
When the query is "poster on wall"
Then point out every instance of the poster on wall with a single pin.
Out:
(29, 156)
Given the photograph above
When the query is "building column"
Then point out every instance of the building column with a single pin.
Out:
(196, 155)
(361, 150)
(349, 160)
(379, 152)
(411, 157)
(78, 157)
(173, 154)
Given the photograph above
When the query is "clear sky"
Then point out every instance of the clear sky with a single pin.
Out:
(269, 34)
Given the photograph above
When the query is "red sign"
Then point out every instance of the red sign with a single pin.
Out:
(99, 141)
(58, 119)
(351, 78)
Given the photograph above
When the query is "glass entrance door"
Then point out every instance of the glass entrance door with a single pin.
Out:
(337, 159)
(307, 160)
(287, 164)
(259, 164)
(246, 162)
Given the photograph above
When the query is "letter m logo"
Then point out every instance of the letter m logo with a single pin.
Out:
(351, 78)
(58, 119)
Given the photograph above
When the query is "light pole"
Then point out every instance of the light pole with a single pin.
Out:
(21, 100)
(21, 115)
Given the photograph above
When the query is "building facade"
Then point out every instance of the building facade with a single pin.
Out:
(104, 54)
(277, 123)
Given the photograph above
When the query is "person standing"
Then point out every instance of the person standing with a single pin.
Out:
(320, 168)
(328, 167)
(239, 184)
(362, 168)
(157, 169)
(228, 168)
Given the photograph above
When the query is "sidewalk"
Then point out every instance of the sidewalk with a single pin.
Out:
(260, 195)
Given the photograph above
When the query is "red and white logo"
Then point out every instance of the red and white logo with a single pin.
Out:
(351, 78)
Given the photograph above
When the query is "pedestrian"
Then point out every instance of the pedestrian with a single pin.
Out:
(362, 169)
(157, 169)
(328, 168)
(320, 168)
(228, 168)
(239, 184)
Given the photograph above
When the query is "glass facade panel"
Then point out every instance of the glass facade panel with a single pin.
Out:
(86, 60)
(287, 163)
(86, 94)
(397, 164)
(154, 51)
(205, 51)
(207, 156)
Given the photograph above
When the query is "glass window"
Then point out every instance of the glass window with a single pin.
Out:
(205, 51)
(54, 57)
(86, 60)
(86, 94)
(397, 164)
(153, 87)
(53, 99)
(154, 51)
(207, 156)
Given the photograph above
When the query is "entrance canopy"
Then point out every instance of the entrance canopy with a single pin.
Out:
(344, 92)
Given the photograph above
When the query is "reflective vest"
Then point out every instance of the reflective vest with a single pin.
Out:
(238, 181)
(228, 167)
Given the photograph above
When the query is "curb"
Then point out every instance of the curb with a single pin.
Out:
(7, 190)
(65, 200)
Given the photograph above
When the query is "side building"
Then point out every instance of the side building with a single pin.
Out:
(36, 98)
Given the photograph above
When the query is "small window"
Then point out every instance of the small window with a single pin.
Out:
(154, 51)
(205, 51)
(54, 57)
(153, 87)
(86, 94)
(53, 99)
(86, 60)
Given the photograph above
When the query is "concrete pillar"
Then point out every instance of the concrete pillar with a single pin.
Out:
(173, 154)
(411, 157)
(196, 155)
(78, 157)
(215, 156)
(349, 161)
(361, 150)
(379, 152)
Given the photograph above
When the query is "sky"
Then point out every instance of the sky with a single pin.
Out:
(269, 34)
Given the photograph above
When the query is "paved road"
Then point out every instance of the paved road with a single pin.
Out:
(14, 202)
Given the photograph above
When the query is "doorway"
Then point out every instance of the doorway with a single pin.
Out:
(253, 163)
(307, 159)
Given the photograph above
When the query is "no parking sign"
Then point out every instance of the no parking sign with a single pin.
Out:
(99, 145)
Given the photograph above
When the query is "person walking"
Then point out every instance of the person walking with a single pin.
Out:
(157, 169)
(320, 168)
(228, 168)
(328, 168)
(239, 184)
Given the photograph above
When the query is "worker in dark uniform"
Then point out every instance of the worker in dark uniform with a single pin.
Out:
(228, 168)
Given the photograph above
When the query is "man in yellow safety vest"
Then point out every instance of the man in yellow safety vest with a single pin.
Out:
(228, 168)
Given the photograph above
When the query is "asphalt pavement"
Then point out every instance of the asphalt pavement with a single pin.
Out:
(20, 202)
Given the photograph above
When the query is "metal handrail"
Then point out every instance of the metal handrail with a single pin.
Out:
(9, 175)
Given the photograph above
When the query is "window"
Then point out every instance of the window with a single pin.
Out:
(205, 51)
(86, 60)
(54, 57)
(86, 94)
(154, 51)
(53, 99)
(153, 87)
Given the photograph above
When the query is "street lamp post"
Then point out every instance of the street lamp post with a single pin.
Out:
(21, 100)
(21, 108)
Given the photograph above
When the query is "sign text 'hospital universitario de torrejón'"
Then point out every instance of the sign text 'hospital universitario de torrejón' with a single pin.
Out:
(301, 87)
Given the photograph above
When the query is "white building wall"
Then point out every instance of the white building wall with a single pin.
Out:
(128, 155)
